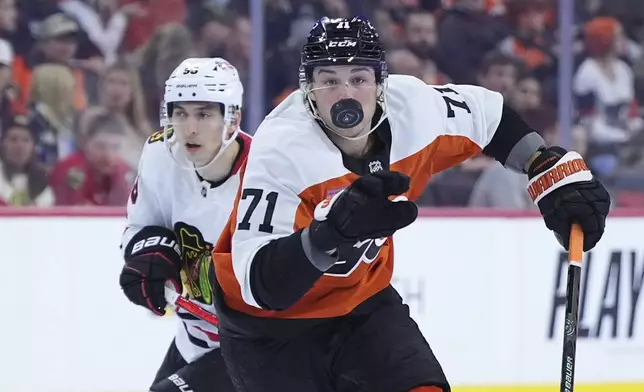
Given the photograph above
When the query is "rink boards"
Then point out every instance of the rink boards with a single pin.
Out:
(487, 292)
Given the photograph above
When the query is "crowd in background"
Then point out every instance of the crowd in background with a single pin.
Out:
(81, 82)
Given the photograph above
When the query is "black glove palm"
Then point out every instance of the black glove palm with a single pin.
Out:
(363, 211)
(582, 199)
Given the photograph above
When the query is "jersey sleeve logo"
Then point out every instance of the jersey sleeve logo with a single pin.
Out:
(197, 269)
(158, 135)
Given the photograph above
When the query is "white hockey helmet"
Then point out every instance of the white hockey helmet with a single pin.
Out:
(203, 80)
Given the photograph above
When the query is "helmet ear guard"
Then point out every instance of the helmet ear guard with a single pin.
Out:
(233, 119)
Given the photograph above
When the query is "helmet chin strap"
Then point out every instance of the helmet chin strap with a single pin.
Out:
(211, 171)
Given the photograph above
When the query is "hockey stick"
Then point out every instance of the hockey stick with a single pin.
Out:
(575, 256)
(175, 300)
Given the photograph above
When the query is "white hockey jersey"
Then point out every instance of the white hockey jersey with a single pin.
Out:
(164, 194)
(607, 104)
(294, 166)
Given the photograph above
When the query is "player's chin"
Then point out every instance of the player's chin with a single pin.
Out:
(196, 157)
(357, 131)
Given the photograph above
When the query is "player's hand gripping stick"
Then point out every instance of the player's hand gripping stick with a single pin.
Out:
(575, 256)
(175, 300)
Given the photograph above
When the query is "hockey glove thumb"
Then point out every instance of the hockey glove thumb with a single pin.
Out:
(363, 211)
(566, 192)
(151, 258)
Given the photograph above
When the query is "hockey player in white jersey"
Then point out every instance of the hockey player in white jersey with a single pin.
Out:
(179, 204)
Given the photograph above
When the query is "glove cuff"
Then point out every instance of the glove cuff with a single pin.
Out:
(324, 237)
(152, 239)
(554, 168)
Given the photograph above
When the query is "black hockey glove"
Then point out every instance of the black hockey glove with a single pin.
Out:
(151, 258)
(363, 211)
(566, 192)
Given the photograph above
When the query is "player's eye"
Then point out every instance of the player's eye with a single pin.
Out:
(358, 80)
(180, 114)
(330, 82)
(204, 115)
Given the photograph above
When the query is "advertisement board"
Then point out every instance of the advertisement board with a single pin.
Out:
(488, 293)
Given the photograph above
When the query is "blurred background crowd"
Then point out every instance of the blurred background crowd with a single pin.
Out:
(81, 82)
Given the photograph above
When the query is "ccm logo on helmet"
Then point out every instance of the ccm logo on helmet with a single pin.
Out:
(348, 43)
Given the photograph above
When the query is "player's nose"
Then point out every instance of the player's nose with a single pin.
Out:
(191, 126)
(345, 91)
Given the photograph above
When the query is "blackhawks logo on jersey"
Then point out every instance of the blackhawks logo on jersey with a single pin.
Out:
(158, 135)
(197, 262)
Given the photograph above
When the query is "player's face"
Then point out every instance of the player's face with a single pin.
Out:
(198, 126)
(339, 82)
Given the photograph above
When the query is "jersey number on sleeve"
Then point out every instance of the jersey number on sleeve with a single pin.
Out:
(450, 102)
(256, 194)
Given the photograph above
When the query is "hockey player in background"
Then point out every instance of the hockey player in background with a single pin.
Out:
(304, 273)
(187, 181)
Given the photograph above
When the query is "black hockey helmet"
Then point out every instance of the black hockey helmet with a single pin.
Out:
(343, 41)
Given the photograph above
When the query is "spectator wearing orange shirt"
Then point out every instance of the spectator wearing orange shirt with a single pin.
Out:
(96, 175)
(531, 42)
